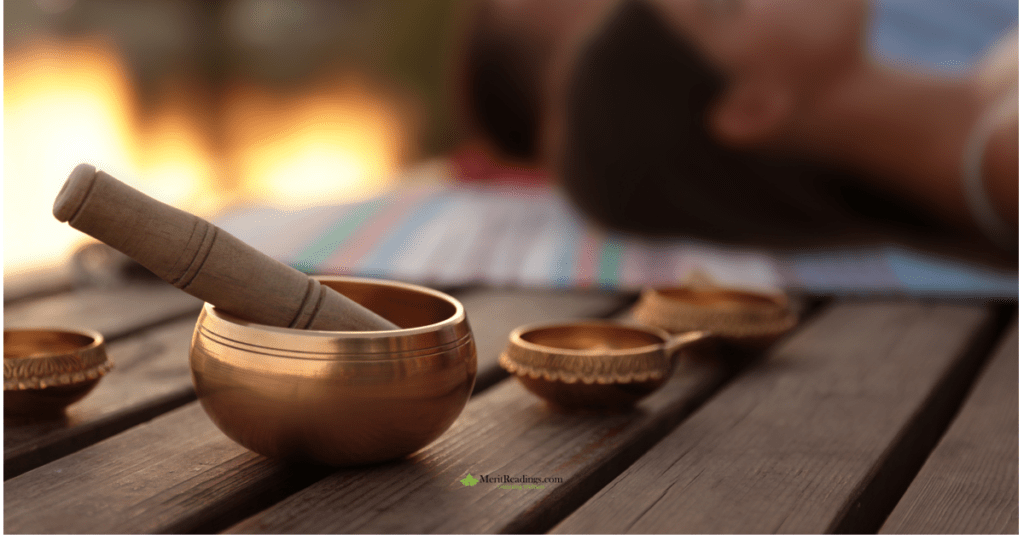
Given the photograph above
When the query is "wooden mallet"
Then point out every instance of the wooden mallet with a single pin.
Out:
(203, 260)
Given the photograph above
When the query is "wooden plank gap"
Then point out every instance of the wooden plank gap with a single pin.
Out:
(19, 460)
(234, 507)
(784, 445)
(174, 473)
(151, 376)
(969, 484)
(562, 504)
(114, 312)
(178, 473)
(868, 509)
(505, 430)
(730, 365)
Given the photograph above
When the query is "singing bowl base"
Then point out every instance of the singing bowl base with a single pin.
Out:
(590, 397)
(340, 398)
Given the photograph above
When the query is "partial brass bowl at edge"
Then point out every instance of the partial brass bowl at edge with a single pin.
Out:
(593, 365)
(340, 398)
(45, 370)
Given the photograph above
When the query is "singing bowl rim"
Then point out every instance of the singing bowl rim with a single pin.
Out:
(319, 344)
(516, 336)
(57, 367)
(650, 362)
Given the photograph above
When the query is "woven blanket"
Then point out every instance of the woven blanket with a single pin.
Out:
(531, 237)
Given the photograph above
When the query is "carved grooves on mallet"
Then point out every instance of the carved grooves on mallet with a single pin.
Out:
(310, 307)
(85, 198)
(202, 254)
(198, 257)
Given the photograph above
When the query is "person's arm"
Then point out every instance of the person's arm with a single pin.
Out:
(996, 134)
(947, 143)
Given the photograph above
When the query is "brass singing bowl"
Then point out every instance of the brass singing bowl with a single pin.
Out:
(743, 319)
(598, 365)
(45, 370)
(340, 398)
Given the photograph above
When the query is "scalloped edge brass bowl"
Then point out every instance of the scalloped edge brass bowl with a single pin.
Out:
(592, 365)
(335, 397)
(744, 319)
(46, 370)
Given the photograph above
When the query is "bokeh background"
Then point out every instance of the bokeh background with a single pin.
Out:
(204, 104)
(212, 104)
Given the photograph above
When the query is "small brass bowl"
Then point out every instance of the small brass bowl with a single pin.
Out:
(340, 398)
(743, 319)
(45, 370)
(593, 365)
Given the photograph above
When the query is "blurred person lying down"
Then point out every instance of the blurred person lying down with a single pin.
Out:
(757, 122)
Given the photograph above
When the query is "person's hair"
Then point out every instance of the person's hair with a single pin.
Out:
(502, 88)
(638, 154)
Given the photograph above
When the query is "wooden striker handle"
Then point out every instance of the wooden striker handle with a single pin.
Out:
(203, 260)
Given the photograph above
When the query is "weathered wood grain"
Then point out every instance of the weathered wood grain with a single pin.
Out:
(969, 483)
(178, 473)
(151, 376)
(504, 310)
(115, 312)
(160, 476)
(790, 445)
(505, 431)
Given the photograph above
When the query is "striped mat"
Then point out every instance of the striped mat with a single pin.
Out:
(530, 237)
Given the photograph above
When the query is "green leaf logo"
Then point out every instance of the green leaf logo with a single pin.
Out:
(469, 480)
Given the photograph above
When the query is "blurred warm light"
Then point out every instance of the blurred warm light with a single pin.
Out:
(336, 141)
(72, 102)
(64, 103)
(175, 159)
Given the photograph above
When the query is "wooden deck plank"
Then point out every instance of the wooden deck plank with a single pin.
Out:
(504, 310)
(160, 476)
(150, 376)
(115, 312)
(969, 483)
(790, 445)
(506, 431)
(179, 473)
(159, 377)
